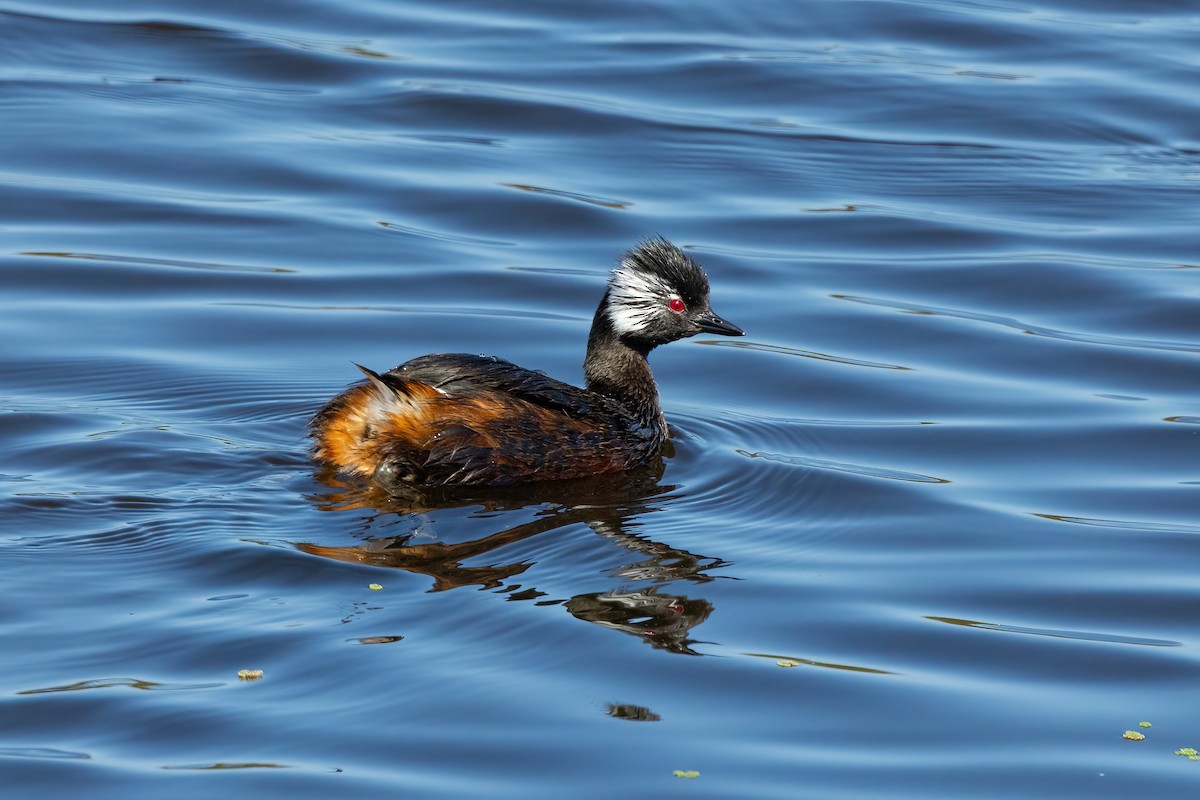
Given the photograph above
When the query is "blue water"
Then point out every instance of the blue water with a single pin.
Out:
(952, 473)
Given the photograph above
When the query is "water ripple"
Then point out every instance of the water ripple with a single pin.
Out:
(1015, 324)
(1059, 634)
(441, 235)
(856, 469)
(42, 752)
(827, 665)
(447, 310)
(793, 351)
(109, 683)
(159, 262)
(576, 196)
(1129, 525)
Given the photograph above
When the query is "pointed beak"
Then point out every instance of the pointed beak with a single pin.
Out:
(711, 323)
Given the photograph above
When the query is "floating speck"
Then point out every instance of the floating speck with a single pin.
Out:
(1190, 752)
(787, 662)
(374, 587)
(249, 674)
(688, 773)
(1143, 724)
(1133, 736)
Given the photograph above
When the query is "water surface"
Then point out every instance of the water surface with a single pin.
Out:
(950, 477)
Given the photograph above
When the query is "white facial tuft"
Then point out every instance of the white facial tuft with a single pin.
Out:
(634, 297)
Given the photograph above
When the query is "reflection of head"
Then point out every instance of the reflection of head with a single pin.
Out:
(662, 620)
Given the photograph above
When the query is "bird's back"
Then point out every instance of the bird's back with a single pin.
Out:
(458, 419)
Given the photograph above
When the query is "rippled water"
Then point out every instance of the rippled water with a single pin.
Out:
(951, 475)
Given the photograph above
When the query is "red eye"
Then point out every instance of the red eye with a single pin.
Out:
(676, 305)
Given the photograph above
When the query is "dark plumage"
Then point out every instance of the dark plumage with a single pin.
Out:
(465, 420)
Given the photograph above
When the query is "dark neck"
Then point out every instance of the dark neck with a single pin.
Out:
(618, 369)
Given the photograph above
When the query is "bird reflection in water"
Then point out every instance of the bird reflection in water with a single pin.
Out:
(608, 505)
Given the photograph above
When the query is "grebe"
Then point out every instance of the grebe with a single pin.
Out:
(465, 420)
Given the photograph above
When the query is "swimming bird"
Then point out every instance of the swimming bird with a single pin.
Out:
(455, 419)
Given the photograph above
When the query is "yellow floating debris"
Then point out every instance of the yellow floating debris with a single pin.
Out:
(249, 674)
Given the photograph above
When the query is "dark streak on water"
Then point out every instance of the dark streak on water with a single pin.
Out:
(952, 475)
